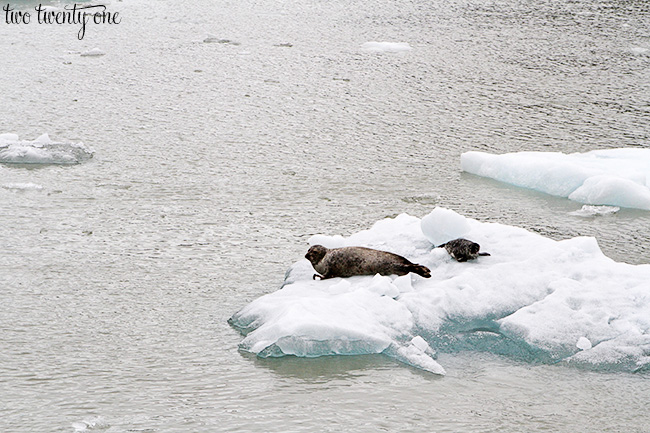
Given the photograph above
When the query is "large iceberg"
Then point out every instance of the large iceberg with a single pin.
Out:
(534, 299)
(41, 151)
(616, 177)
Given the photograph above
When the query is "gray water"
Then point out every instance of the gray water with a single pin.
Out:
(215, 162)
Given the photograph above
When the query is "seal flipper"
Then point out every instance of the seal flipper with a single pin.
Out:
(320, 277)
(422, 271)
(483, 254)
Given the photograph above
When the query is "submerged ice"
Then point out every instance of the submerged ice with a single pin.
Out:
(615, 177)
(534, 299)
(41, 151)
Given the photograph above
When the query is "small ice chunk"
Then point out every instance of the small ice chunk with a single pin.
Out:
(28, 186)
(583, 343)
(43, 138)
(418, 354)
(41, 151)
(90, 424)
(640, 51)
(95, 52)
(591, 210)
(443, 225)
(8, 137)
(386, 47)
(79, 426)
(420, 343)
(383, 286)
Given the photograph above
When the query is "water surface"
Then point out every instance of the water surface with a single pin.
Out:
(215, 162)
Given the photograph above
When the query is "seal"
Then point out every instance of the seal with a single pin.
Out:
(350, 261)
(463, 249)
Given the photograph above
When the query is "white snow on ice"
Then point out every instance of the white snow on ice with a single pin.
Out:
(583, 344)
(534, 299)
(615, 177)
(41, 151)
(456, 226)
(385, 47)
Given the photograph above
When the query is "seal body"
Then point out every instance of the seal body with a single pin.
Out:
(462, 249)
(350, 261)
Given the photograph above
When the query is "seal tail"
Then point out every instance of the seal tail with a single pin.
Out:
(422, 271)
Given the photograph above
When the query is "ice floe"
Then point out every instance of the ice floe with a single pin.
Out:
(41, 151)
(615, 177)
(535, 299)
(385, 47)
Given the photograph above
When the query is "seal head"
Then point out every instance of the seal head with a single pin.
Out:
(316, 254)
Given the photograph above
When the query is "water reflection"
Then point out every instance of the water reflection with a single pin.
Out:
(323, 369)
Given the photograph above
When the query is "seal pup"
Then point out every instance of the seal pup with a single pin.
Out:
(463, 249)
(350, 261)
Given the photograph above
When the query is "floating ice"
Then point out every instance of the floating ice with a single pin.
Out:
(41, 151)
(384, 47)
(94, 423)
(534, 299)
(640, 51)
(616, 177)
(589, 210)
(27, 186)
(95, 52)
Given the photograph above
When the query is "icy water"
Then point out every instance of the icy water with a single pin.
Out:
(216, 161)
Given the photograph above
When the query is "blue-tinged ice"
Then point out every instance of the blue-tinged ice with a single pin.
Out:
(41, 151)
(615, 177)
(534, 299)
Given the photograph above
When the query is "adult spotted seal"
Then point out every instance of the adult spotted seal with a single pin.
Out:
(349, 261)
(463, 249)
